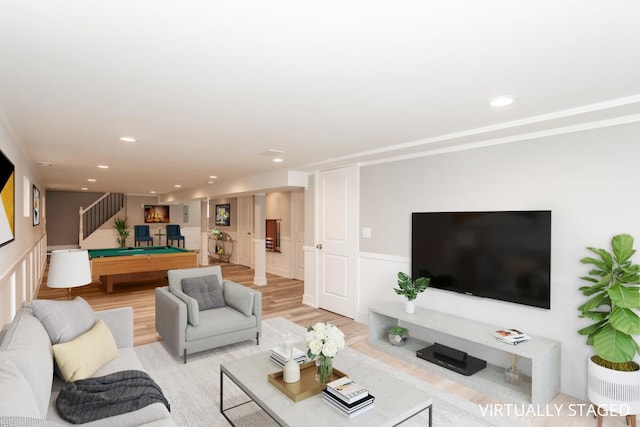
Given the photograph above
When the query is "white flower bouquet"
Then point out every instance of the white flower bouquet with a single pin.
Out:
(324, 341)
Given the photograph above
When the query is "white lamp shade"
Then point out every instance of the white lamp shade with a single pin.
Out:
(69, 268)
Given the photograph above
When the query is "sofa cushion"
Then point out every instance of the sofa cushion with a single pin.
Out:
(80, 358)
(193, 316)
(27, 344)
(26, 422)
(218, 322)
(175, 276)
(16, 396)
(238, 297)
(64, 320)
(204, 289)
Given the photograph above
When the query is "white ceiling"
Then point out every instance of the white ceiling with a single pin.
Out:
(205, 86)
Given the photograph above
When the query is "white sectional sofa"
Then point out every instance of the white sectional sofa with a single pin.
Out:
(29, 387)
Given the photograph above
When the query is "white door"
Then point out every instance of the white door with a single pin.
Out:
(337, 233)
(245, 227)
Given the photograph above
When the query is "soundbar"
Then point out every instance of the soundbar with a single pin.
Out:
(450, 358)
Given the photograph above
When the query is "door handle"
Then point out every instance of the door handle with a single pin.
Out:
(319, 246)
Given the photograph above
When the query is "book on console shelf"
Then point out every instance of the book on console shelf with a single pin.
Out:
(349, 410)
(347, 390)
(511, 336)
(281, 358)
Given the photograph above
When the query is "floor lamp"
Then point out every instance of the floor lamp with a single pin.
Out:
(69, 268)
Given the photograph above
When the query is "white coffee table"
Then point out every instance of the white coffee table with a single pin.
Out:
(395, 401)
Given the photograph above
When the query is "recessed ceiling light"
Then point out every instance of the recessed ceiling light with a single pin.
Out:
(210, 182)
(127, 139)
(46, 164)
(277, 160)
(152, 192)
(84, 188)
(213, 177)
(177, 185)
(103, 167)
(91, 180)
(501, 101)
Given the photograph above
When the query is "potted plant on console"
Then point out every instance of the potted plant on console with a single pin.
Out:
(613, 304)
(398, 335)
(410, 289)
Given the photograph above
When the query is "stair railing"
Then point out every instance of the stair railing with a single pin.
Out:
(98, 213)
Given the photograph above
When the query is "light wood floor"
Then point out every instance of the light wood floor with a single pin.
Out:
(283, 297)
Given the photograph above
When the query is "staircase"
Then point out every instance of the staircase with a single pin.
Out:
(100, 211)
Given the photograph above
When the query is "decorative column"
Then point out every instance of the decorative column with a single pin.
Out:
(259, 240)
(203, 259)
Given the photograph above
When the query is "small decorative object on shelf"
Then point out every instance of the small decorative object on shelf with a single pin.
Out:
(324, 341)
(512, 374)
(398, 335)
(510, 336)
(410, 289)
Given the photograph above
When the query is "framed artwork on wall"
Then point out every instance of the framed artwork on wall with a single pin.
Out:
(223, 214)
(7, 200)
(156, 213)
(36, 206)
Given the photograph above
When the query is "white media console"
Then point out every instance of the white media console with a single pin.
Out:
(544, 353)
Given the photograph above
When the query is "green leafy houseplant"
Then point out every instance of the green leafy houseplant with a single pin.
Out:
(121, 226)
(409, 288)
(614, 298)
(398, 330)
(398, 335)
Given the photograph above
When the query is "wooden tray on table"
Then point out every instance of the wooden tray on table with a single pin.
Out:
(307, 386)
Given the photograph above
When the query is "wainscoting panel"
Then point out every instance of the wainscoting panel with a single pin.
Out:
(20, 283)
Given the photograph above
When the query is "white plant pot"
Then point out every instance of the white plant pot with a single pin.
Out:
(614, 391)
(409, 307)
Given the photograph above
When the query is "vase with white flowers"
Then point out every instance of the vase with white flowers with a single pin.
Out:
(324, 341)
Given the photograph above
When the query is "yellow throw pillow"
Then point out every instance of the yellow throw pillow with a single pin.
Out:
(80, 358)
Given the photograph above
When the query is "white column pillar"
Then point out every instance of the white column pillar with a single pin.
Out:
(259, 240)
(204, 232)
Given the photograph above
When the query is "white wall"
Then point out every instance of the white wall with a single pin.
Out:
(21, 261)
(589, 182)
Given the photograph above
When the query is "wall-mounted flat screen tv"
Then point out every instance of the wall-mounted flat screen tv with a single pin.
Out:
(502, 255)
(156, 213)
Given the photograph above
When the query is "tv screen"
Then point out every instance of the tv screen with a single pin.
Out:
(500, 255)
(156, 214)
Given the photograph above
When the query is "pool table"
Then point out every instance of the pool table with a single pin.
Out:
(106, 263)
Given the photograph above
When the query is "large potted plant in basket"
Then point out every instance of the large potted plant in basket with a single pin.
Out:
(613, 304)
(409, 288)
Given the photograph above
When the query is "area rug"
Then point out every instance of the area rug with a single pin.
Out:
(193, 389)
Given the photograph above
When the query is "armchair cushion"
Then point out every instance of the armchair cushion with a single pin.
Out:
(64, 320)
(238, 297)
(80, 358)
(206, 290)
(193, 311)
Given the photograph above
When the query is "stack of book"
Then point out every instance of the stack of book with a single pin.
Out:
(279, 357)
(348, 397)
(510, 336)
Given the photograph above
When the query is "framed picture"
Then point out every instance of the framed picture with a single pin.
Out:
(36, 206)
(156, 213)
(7, 200)
(223, 214)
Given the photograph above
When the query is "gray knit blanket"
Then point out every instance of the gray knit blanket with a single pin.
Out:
(114, 394)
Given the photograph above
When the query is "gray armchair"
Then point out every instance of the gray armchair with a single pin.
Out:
(186, 329)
